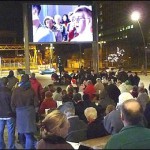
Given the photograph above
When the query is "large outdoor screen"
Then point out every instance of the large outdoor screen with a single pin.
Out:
(61, 23)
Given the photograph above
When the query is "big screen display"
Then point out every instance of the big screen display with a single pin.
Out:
(61, 23)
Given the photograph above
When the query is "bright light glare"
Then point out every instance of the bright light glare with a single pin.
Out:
(135, 16)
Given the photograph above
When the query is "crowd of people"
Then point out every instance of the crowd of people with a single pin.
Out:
(91, 105)
(74, 26)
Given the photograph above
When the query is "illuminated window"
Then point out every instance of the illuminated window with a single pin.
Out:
(131, 26)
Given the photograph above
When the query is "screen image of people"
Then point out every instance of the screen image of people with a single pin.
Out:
(62, 23)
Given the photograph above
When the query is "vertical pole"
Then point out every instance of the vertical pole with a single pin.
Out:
(145, 54)
(26, 39)
(80, 59)
(95, 49)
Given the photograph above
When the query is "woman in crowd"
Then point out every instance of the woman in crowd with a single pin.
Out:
(54, 130)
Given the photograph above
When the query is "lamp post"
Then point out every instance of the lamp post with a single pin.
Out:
(135, 16)
(51, 55)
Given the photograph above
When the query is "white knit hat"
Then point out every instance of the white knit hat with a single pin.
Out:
(124, 97)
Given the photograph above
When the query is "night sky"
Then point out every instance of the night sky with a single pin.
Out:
(11, 16)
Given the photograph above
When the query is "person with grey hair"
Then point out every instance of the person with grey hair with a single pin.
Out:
(99, 87)
(77, 130)
(133, 135)
(95, 127)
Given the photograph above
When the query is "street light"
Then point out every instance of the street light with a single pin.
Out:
(135, 16)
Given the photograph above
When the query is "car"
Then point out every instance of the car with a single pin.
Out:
(47, 71)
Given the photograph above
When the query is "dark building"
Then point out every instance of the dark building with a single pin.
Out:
(116, 29)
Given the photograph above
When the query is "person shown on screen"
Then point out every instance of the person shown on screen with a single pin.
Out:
(59, 26)
(49, 23)
(83, 24)
(65, 21)
(40, 33)
(71, 27)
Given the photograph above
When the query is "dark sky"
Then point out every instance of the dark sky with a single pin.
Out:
(11, 17)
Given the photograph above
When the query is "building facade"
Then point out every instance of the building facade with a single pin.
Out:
(116, 29)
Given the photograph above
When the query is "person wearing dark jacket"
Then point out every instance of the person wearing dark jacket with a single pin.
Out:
(122, 75)
(12, 80)
(24, 102)
(6, 115)
(136, 79)
(95, 127)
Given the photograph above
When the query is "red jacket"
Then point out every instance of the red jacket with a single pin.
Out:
(90, 90)
(37, 87)
(46, 104)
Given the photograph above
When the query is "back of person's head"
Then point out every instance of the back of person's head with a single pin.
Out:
(3, 81)
(141, 85)
(65, 106)
(64, 92)
(77, 97)
(55, 124)
(98, 80)
(89, 82)
(11, 73)
(48, 94)
(86, 97)
(73, 81)
(25, 78)
(69, 112)
(131, 112)
(58, 89)
(109, 109)
(135, 88)
(90, 113)
(124, 97)
(33, 75)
